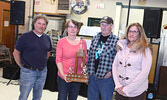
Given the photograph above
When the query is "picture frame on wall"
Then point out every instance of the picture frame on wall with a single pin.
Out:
(63, 6)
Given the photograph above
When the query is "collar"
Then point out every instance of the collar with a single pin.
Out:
(39, 35)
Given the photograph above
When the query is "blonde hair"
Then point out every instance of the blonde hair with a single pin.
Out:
(141, 43)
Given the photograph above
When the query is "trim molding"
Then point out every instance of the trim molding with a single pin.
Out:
(139, 7)
(5, 1)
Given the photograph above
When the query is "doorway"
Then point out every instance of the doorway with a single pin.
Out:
(8, 31)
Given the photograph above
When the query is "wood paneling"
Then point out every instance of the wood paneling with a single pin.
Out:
(7, 31)
(154, 63)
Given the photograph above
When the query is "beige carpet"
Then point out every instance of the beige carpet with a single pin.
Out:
(11, 91)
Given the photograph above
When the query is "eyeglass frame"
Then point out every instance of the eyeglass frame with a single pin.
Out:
(134, 32)
(73, 27)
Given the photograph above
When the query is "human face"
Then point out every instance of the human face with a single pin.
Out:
(133, 34)
(106, 29)
(39, 26)
(72, 29)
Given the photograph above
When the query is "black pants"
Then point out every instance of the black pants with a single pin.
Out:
(139, 97)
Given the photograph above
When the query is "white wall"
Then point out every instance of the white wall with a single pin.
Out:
(147, 3)
(45, 6)
(164, 18)
(109, 9)
(136, 15)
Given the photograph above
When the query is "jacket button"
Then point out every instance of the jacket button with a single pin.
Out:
(129, 64)
(127, 78)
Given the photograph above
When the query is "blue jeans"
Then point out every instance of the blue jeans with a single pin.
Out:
(30, 79)
(67, 90)
(97, 86)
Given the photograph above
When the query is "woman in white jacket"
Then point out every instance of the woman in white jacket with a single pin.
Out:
(132, 64)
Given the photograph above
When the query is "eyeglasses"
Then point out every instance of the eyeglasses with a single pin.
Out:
(135, 32)
(72, 27)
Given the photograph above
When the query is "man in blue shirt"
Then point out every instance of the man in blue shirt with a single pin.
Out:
(31, 52)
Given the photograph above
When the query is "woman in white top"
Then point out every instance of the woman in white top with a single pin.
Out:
(132, 64)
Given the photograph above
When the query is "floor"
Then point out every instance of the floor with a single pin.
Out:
(11, 91)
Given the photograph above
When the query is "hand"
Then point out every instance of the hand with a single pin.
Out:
(84, 68)
(120, 91)
(71, 70)
(65, 78)
(108, 75)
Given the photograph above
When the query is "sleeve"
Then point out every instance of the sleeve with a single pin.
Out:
(146, 65)
(20, 43)
(114, 72)
(90, 52)
(59, 51)
(50, 48)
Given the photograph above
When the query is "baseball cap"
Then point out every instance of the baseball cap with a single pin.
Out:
(107, 20)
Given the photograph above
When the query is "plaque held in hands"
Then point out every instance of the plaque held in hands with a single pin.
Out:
(83, 77)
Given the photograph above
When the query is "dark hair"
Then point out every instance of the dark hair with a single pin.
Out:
(74, 22)
(39, 17)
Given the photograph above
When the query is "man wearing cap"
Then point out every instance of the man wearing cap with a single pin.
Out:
(100, 58)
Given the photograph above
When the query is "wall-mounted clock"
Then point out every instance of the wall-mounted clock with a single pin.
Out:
(79, 6)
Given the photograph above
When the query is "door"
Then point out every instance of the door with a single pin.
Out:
(8, 31)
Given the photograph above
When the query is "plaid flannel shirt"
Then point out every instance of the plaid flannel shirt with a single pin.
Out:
(107, 56)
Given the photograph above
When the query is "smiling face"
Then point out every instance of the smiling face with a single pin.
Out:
(72, 29)
(106, 29)
(39, 26)
(133, 34)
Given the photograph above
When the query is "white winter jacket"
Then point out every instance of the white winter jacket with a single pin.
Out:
(131, 69)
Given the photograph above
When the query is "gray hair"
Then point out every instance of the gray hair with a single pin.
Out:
(39, 17)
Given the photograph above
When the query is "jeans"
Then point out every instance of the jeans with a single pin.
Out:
(67, 90)
(30, 79)
(104, 87)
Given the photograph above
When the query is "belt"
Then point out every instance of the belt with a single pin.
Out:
(31, 68)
